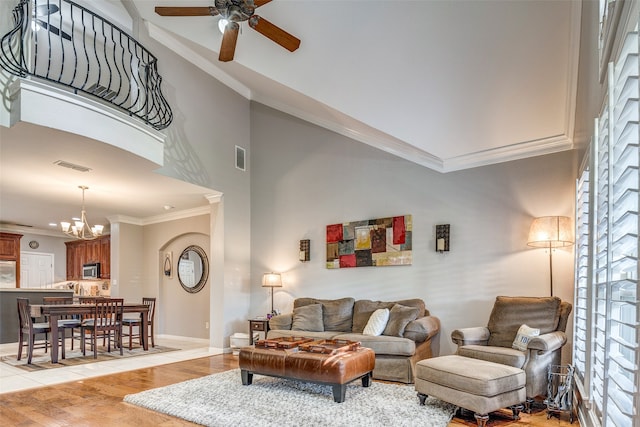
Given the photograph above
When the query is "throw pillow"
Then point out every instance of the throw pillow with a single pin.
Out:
(308, 318)
(523, 337)
(399, 317)
(377, 322)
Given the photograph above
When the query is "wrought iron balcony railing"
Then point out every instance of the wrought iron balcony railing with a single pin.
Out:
(65, 43)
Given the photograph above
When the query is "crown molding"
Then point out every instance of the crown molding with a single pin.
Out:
(171, 216)
(522, 150)
(32, 230)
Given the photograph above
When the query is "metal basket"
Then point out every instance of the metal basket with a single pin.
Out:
(559, 390)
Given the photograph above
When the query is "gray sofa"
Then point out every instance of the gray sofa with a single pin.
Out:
(407, 337)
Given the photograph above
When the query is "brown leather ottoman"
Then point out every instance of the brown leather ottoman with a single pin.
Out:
(336, 370)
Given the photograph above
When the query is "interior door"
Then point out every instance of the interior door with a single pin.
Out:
(36, 270)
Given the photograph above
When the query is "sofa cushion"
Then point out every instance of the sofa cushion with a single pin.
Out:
(509, 313)
(337, 313)
(377, 322)
(399, 316)
(415, 303)
(503, 355)
(422, 328)
(383, 344)
(362, 311)
(308, 318)
(281, 321)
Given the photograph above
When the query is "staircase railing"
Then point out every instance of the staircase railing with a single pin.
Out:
(67, 44)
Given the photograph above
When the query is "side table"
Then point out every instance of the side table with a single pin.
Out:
(258, 325)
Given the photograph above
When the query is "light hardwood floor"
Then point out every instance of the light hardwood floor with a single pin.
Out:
(98, 401)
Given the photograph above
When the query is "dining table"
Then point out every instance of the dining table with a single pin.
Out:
(54, 311)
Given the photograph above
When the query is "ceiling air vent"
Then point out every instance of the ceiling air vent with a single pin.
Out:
(71, 166)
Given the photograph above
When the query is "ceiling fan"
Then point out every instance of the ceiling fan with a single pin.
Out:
(44, 10)
(235, 11)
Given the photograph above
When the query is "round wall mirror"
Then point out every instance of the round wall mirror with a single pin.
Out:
(193, 269)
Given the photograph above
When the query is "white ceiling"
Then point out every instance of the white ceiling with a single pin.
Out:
(448, 84)
(35, 191)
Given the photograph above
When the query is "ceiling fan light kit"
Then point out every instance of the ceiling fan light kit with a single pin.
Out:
(233, 12)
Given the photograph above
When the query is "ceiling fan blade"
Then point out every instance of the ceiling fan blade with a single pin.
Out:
(53, 29)
(274, 32)
(259, 3)
(186, 11)
(229, 39)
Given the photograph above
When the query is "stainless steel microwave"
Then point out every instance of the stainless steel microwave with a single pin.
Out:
(91, 271)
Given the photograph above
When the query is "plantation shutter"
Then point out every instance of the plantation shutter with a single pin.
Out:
(607, 316)
(582, 309)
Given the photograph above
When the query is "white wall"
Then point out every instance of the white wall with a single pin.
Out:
(304, 178)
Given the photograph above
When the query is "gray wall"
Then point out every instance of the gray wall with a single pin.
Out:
(49, 245)
(304, 178)
(178, 312)
(209, 121)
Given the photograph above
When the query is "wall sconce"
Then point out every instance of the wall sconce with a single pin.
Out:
(442, 238)
(167, 265)
(305, 249)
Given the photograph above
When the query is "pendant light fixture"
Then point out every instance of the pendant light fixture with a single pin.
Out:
(81, 228)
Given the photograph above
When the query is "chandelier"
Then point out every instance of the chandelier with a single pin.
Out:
(81, 228)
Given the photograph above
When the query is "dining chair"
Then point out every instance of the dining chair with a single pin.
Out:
(106, 319)
(67, 321)
(28, 330)
(90, 300)
(132, 322)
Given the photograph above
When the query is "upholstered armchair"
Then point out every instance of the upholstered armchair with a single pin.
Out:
(494, 343)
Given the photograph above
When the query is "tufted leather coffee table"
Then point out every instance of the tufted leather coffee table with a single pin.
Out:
(336, 370)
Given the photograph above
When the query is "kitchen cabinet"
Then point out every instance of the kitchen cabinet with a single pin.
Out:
(105, 259)
(10, 253)
(80, 252)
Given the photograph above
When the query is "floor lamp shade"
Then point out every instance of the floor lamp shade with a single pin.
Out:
(271, 280)
(551, 232)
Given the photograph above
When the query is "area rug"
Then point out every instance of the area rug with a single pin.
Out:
(42, 361)
(222, 400)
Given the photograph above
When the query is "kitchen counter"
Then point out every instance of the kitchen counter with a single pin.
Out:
(9, 324)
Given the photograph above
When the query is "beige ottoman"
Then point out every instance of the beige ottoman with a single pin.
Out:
(472, 384)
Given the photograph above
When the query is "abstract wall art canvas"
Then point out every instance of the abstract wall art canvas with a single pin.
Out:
(370, 243)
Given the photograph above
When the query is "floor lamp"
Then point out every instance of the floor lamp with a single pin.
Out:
(551, 232)
(271, 280)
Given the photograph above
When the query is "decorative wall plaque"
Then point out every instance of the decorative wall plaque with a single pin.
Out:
(370, 243)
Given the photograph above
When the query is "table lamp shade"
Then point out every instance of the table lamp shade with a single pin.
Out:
(271, 280)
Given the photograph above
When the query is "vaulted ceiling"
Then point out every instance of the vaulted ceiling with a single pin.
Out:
(446, 84)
